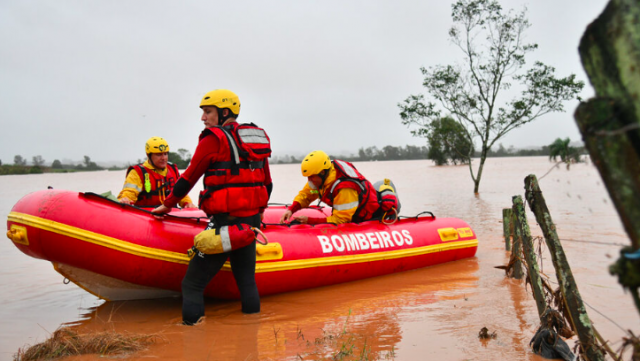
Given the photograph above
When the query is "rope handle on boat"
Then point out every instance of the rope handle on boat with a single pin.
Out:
(395, 218)
(425, 212)
(264, 240)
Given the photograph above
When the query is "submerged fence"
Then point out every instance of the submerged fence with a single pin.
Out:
(567, 298)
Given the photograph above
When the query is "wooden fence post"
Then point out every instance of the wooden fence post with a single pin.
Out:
(577, 312)
(506, 228)
(516, 252)
(521, 231)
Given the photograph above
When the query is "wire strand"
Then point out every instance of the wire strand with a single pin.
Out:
(594, 242)
(593, 308)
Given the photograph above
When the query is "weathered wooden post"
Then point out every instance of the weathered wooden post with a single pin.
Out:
(506, 228)
(577, 312)
(521, 231)
(516, 253)
(610, 122)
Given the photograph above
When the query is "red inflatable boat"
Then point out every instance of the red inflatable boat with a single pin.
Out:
(120, 252)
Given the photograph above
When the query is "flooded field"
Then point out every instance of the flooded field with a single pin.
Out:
(433, 313)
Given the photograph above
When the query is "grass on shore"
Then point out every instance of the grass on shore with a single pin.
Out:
(67, 342)
(339, 346)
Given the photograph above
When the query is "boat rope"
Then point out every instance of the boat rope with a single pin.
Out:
(391, 221)
(264, 240)
(295, 223)
(143, 209)
(198, 219)
(419, 214)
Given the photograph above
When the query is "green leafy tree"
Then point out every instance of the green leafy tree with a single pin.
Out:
(436, 153)
(560, 148)
(492, 42)
(37, 160)
(448, 142)
(88, 164)
(181, 159)
(56, 164)
(414, 152)
(362, 154)
(18, 160)
(370, 153)
(391, 153)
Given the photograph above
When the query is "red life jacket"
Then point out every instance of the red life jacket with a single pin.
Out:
(347, 176)
(235, 183)
(159, 185)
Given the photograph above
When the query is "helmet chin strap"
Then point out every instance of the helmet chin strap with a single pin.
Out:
(150, 161)
(221, 117)
(323, 175)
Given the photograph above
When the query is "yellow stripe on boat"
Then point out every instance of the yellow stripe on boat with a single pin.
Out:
(154, 253)
(97, 238)
(370, 257)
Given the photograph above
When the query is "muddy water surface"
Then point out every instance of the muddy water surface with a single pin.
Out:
(431, 313)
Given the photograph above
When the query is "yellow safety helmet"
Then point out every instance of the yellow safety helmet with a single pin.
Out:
(156, 145)
(222, 98)
(315, 162)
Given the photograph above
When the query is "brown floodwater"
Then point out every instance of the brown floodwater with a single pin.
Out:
(430, 313)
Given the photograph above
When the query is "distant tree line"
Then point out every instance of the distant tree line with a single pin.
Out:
(374, 153)
(512, 152)
(19, 166)
(560, 148)
(389, 152)
(442, 154)
(38, 166)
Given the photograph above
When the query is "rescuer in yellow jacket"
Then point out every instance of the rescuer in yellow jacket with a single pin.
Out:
(150, 183)
(338, 184)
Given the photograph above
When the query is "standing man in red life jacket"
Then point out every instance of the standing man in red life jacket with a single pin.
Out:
(152, 181)
(233, 159)
(338, 184)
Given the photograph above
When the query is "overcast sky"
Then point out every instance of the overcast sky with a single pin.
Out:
(98, 78)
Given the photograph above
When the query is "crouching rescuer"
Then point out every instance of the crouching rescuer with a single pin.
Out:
(340, 185)
(233, 158)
